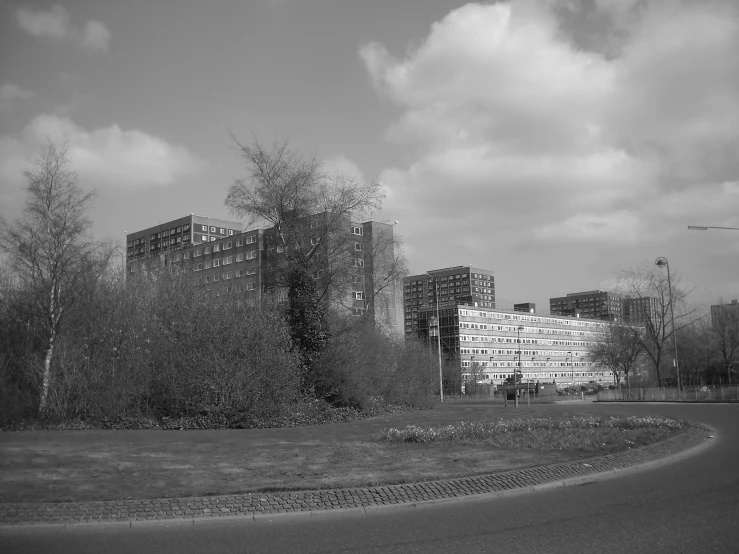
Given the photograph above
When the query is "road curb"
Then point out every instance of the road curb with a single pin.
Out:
(264, 508)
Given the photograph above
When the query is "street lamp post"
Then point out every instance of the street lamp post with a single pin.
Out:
(572, 367)
(528, 381)
(438, 338)
(662, 262)
(701, 228)
(518, 329)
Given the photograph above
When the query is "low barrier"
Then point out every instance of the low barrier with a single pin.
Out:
(709, 393)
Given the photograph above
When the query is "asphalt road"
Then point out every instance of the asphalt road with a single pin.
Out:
(687, 506)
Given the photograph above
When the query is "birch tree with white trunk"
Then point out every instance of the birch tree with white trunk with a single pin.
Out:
(50, 250)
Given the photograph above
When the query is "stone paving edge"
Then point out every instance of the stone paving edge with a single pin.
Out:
(358, 500)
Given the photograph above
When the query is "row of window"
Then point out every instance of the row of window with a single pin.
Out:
(219, 230)
(226, 260)
(250, 255)
(169, 232)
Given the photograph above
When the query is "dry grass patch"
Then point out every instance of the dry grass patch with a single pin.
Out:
(61, 466)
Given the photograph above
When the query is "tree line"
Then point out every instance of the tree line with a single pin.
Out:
(79, 340)
(656, 344)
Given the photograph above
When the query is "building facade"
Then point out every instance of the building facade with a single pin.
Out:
(459, 284)
(484, 342)
(592, 304)
(220, 255)
(640, 311)
(177, 234)
(721, 312)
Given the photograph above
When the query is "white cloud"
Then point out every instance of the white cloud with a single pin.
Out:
(107, 156)
(96, 36)
(10, 92)
(519, 138)
(339, 164)
(53, 24)
(57, 25)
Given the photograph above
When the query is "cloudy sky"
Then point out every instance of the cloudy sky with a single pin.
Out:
(555, 142)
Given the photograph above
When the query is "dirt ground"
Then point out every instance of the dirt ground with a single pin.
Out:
(61, 466)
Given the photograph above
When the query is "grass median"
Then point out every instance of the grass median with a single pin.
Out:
(450, 441)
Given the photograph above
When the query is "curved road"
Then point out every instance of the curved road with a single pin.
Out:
(691, 505)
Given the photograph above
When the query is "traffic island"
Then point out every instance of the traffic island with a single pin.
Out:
(256, 506)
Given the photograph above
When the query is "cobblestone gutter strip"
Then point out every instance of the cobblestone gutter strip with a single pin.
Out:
(255, 504)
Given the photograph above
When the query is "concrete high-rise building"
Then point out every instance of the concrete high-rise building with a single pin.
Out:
(177, 234)
(592, 304)
(639, 311)
(483, 342)
(221, 255)
(454, 285)
(720, 311)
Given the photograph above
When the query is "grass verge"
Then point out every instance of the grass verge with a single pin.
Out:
(78, 466)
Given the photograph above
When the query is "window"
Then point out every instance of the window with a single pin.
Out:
(215, 277)
(197, 253)
(205, 228)
(207, 264)
(239, 257)
(216, 248)
(230, 232)
(198, 267)
(216, 262)
(358, 295)
(207, 279)
(250, 286)
(212, 239)
(251, 239)
(212, 229)
(227, 275)
(358, 246)
(186, 227)
(177, 258)
(186, 256)
(251, 255)
(227, 260)
(207, 249)
(222, 231)
(356, 230)
(251, 271)
(239, 242)
(240, 272)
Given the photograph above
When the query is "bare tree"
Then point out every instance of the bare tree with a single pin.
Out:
(619, 350)
(308, 209)
(725, 335)
(49, 247)
(654, 327)
(309, 249)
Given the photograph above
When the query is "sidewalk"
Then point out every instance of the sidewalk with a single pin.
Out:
(252, 507)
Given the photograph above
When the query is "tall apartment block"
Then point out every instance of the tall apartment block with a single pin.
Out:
(176, 234)
(485, 341)
(220, 254)
(592, 304)
(453, 285)
(640, 310)
(721, 312)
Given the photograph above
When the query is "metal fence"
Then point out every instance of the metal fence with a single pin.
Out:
(719, 393)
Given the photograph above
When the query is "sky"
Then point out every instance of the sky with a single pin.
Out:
(557, 143)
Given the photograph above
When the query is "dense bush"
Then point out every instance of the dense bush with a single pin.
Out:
(167, 353)
(362, 366)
